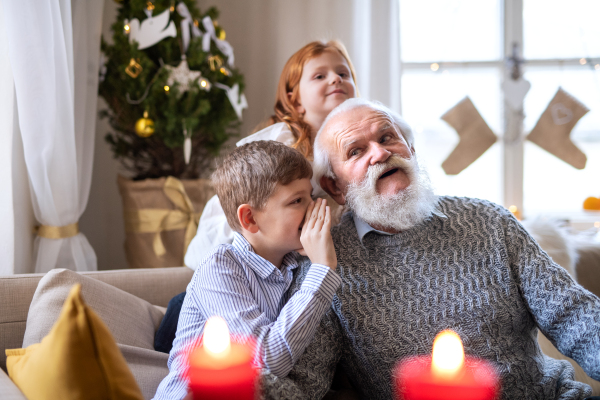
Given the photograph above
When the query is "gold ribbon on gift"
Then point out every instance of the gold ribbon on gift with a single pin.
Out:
(156, 220)
(57, 232)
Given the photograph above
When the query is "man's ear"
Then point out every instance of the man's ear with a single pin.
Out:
(297, 104)
(331, 187)
(246, 217)
(412, 149)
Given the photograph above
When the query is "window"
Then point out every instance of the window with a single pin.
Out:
(456, 48)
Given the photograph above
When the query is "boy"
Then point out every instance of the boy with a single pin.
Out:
(265, 191)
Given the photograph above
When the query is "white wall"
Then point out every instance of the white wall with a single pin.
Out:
(16, 222)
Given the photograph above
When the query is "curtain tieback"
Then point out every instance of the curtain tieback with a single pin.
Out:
(156, 220)
(57, 232)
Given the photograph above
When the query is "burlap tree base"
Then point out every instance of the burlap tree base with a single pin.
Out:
(161, 218)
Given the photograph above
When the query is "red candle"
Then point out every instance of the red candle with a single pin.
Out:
(446, 375)
(222, 369)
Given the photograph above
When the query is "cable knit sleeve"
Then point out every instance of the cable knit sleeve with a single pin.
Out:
(311, 376)
(564, 311)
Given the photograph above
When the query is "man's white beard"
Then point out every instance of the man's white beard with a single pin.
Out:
(399, 211)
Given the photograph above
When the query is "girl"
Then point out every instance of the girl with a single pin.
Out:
(315, 80)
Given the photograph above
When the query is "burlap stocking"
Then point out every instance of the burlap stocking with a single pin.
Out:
(553, 129)
(475, 136)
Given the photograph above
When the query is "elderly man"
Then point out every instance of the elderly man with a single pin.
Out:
(414, 264)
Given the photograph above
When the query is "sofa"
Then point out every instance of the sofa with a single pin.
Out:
(155, 287)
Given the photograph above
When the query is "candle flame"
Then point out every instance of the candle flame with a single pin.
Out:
(216, 337)
(448, 355)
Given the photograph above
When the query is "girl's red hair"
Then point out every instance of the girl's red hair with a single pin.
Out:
(289, 82)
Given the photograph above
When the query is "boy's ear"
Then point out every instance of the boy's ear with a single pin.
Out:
(297, 104)
(246, 218)
(330, 186)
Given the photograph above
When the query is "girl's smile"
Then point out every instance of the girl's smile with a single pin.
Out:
(326, 82)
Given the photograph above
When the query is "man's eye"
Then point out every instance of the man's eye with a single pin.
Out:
(354, 152)
(385, 138)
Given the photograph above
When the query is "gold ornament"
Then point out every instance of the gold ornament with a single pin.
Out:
(221, 34)
(144, 127)
(149, 6)
(215, 62)
(133, 69)
(225, 71)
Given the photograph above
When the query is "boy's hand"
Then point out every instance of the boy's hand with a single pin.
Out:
(316, 235)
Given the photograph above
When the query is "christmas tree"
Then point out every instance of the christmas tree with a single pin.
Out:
(173, 93)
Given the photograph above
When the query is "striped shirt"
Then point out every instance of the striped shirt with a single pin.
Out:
(250, 293)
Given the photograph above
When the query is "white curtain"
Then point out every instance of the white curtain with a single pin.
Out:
(54, 50)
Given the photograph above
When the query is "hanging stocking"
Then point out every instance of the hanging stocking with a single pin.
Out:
(475, 136)
(553, 129)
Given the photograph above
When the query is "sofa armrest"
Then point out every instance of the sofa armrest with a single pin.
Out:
(9, 390)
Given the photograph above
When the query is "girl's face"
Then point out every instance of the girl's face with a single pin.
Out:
(326, 82)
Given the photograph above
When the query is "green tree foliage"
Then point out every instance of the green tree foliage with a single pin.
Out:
(209, 116)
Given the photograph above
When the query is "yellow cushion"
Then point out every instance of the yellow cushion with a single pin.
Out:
(78, 359)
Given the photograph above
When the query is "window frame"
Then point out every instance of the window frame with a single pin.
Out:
(513, 137)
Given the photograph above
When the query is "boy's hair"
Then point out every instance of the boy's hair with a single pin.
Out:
(289, 82)
(250, 174)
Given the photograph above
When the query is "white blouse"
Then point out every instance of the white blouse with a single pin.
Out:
(213, 229)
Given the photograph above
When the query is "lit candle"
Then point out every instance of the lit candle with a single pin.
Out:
(222, 369)
(447, 374)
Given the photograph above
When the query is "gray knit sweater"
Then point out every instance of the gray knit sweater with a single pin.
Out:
(477, 272)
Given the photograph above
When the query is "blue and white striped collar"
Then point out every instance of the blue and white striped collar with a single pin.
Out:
(263, 267)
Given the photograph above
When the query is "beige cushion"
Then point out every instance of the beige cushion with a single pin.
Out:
(149, 367)
(131, 320)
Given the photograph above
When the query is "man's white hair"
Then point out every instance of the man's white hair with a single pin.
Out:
(321, 163)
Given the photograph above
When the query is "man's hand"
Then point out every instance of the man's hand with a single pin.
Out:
(316, 235)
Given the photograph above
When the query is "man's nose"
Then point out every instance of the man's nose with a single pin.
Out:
(378, 153)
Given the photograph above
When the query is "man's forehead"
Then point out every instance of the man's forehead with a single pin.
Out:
(353, 124)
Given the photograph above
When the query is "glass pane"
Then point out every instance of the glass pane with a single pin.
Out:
(426, 96)
(560, 29)
(450, 30)
(551, 184)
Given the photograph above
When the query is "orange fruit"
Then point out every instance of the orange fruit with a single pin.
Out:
(591, 203)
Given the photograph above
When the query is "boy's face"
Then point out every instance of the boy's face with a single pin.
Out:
(281, 220)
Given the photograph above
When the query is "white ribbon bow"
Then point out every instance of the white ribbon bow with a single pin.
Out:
(186, 23)
(223, 45)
